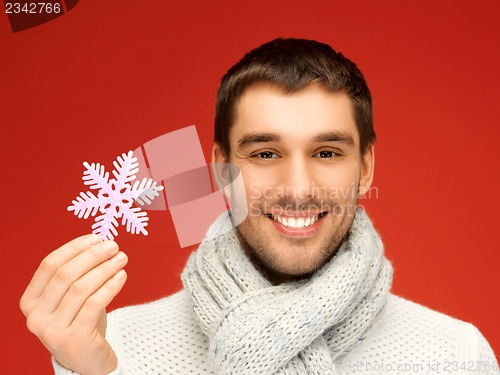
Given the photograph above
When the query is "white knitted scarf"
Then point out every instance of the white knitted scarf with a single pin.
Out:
(302, 327)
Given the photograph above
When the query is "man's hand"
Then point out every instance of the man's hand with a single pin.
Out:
(65, 303)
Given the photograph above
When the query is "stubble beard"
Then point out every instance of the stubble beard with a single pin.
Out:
(258, 246)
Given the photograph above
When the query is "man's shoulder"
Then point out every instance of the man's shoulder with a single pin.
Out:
(410, 334)
(406, 311)
(419, 321)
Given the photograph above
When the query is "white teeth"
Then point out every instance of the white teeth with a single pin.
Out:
(296, 223)
(313, 220)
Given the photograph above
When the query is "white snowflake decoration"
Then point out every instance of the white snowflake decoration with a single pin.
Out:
(115, 197)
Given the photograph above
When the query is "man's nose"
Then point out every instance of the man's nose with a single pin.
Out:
(297, 178)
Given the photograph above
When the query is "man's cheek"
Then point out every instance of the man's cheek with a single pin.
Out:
(255, 209)
(252, 191)
(340, 190)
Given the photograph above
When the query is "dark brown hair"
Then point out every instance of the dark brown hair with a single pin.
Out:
(292, 64)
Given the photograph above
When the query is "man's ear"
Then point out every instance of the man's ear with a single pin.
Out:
(220, 169)
(217, 154)
(367, 170)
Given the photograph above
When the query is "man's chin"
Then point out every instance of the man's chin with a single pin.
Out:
(299, 267)
(288, 273)
(281, 258)
(289, 267)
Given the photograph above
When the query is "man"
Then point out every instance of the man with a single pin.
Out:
(301, 286)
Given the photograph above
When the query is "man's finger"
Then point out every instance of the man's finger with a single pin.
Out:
(86, 286)
(91, 311)
(51, 263)
(70, 272)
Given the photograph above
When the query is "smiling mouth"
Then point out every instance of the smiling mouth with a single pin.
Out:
(297, 221)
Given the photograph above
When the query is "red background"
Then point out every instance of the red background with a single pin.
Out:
(111, 75)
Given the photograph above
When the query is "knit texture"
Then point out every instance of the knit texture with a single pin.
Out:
(302, 327)
(164, 337)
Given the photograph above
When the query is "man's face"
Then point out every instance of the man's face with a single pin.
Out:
(302, 170)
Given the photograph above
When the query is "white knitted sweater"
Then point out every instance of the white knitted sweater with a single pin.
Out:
(162, 337)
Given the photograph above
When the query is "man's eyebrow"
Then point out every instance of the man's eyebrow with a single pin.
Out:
(249, 138)
(335, 136)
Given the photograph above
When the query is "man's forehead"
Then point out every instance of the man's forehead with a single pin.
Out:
(266, 113)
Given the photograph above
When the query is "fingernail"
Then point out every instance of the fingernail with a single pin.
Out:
(118, 258)
(120, 275)
(92, 239)
(109, 246)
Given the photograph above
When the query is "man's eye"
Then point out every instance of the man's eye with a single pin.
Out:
(266, 155)
(326, 154)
